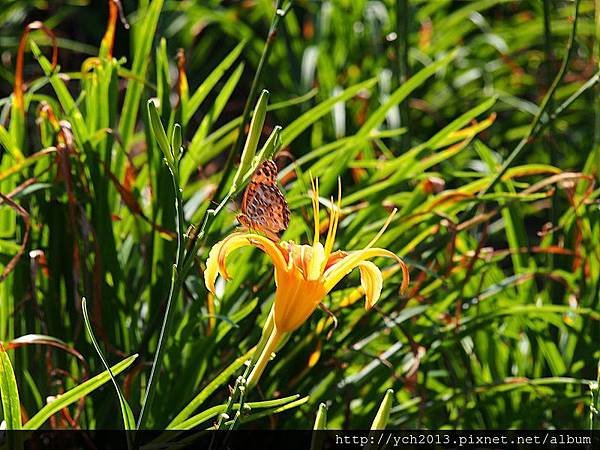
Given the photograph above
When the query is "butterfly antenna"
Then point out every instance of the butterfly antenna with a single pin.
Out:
(292, 173)
(285, 153)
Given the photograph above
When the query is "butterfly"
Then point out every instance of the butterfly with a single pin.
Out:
(263, 206)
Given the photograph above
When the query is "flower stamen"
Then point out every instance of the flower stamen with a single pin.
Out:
(315, 204)
(383, 228)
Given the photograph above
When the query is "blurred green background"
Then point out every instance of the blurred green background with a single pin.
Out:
(499, 327)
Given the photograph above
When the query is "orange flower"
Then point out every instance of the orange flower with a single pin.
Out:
(304, 274)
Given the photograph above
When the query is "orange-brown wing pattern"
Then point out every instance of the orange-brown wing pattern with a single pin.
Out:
(264, 207)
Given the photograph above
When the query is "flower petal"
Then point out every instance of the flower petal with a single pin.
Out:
(212, 267)
(296, 298)
(343, 267)
(335, 257)
(316, 262)
(275, 251)
(371, 281)
(217, 256)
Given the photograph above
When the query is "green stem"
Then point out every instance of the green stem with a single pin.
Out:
(210, 215)
(548, 40)
(593, 162)
(549, 60)
(595, 406)
(241, 383)
(236, 389)
(239, 412)
(279, 13)
(264, 358)
(264, 337)
(402, 11)
(207, 221)
(534, 128)
(550, 134)
(176, 281)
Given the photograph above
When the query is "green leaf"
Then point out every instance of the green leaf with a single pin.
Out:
(67, 102)
(318, 439)
(321, 419)
(438, 140)
(277, 405)
(199, 150)
(208, 390)
(203, 90)
(8, 143)
(144, 32)
(159, 133)
(128, 419)
(274, 410)
(18, 166)
(75, 394)
(11, 406)
(176, 140)
(292, 130)
(256, 125)
(271, 147)
(378, 116)
(383, 414)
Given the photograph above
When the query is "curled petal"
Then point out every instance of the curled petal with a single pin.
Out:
(216, 263)
(405, 276)
(274, 250)
(343, 267)
(212, 267)
(371, 281)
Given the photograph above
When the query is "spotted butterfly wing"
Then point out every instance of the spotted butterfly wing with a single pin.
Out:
(263, 206)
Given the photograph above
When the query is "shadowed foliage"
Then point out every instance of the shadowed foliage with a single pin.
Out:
(128, 133)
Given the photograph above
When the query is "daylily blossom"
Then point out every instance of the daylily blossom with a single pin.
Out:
(304, 274)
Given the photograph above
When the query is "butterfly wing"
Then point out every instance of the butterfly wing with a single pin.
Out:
(267, 209)
(264, 207)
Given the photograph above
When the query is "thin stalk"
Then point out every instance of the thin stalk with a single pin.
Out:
(402, 11)
(187, 263)
(176, 281)
(241, 383)
(264, 337)
(236, 389)
(548, 41)
(592, 82)
(534, 128)
(238, 413)
(550, 134)
(595, 406)
(594, 159)
(264, 358)
(589, 84)
(251, 100)
(549, 61)
(207, 221)
(227, 168)
(239, 389)
(242, 389)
